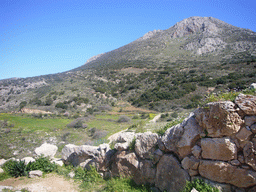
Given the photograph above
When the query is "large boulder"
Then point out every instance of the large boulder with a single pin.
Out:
(169, 175)
(224, 172)
(125, 164)
(247, 103)
(218, 149)
(145, 145)
(72, 154)
(182, 137)
(219, 119)
(47, 150)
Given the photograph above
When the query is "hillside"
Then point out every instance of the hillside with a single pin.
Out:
(163, 70)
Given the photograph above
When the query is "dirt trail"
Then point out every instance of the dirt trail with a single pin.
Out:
(50, 183)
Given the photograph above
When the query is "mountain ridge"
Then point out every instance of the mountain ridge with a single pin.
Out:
(166, 69)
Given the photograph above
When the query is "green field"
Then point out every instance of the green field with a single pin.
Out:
(20, 134)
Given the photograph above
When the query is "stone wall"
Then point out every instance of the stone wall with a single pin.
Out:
(216, 143)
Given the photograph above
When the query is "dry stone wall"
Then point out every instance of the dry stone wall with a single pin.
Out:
(216, 143)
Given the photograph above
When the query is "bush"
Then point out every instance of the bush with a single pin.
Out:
(61, 105)
(43, 164)
(199, 185)
(19, 168)
(123, 119)
(16, 168)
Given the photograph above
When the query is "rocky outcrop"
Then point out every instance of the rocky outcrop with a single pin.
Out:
(216, 143)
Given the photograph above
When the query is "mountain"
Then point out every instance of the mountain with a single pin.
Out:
(162, 70)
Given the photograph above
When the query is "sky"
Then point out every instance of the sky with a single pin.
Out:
(39, 37)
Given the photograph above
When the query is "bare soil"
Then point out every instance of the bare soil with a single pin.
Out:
(50, 183)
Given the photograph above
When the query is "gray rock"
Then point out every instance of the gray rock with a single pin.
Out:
(196, 151)
(148, 172)
(182, 137)
(47, 150)
(246, 103)
(244, 134)
(4, 188)
(213, 170)
(57, 161)
(36, 173)
(77, 154)
(71, 174)
(253, 128)
(249, 120)
(219, 119)
(2, 161)
(126, 164)
(122, 146)
(170, 176)
(145, 145)
(218, 149)
(249, 155)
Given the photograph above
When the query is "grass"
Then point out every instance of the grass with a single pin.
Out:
(30, 124)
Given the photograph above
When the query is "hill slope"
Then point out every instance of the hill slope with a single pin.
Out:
(163, 70)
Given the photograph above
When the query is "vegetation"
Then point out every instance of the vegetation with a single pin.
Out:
(19, 168)
(199, 185)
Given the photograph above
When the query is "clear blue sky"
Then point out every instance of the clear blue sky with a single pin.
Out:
(40, 37)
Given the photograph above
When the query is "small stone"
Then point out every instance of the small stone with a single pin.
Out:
(57, 161)
(71, 174)
(36, 173)
(196, 151)
(193, 172)
(235, 162)
(194, 190)
(253, 128)
(241, 158)
(245, 167)
(249, 120)
(2, 161)
(3, 188)
(243, 134)
(247, 103)
(28, 159)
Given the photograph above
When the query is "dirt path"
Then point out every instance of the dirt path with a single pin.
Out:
(50, 183)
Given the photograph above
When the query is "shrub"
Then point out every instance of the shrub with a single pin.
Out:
(199, 185)
(16, 168)
(61, 105)
(43, 164)
(19, 168)
(123, 119)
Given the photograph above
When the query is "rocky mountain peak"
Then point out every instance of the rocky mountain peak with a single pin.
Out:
(194, 25)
